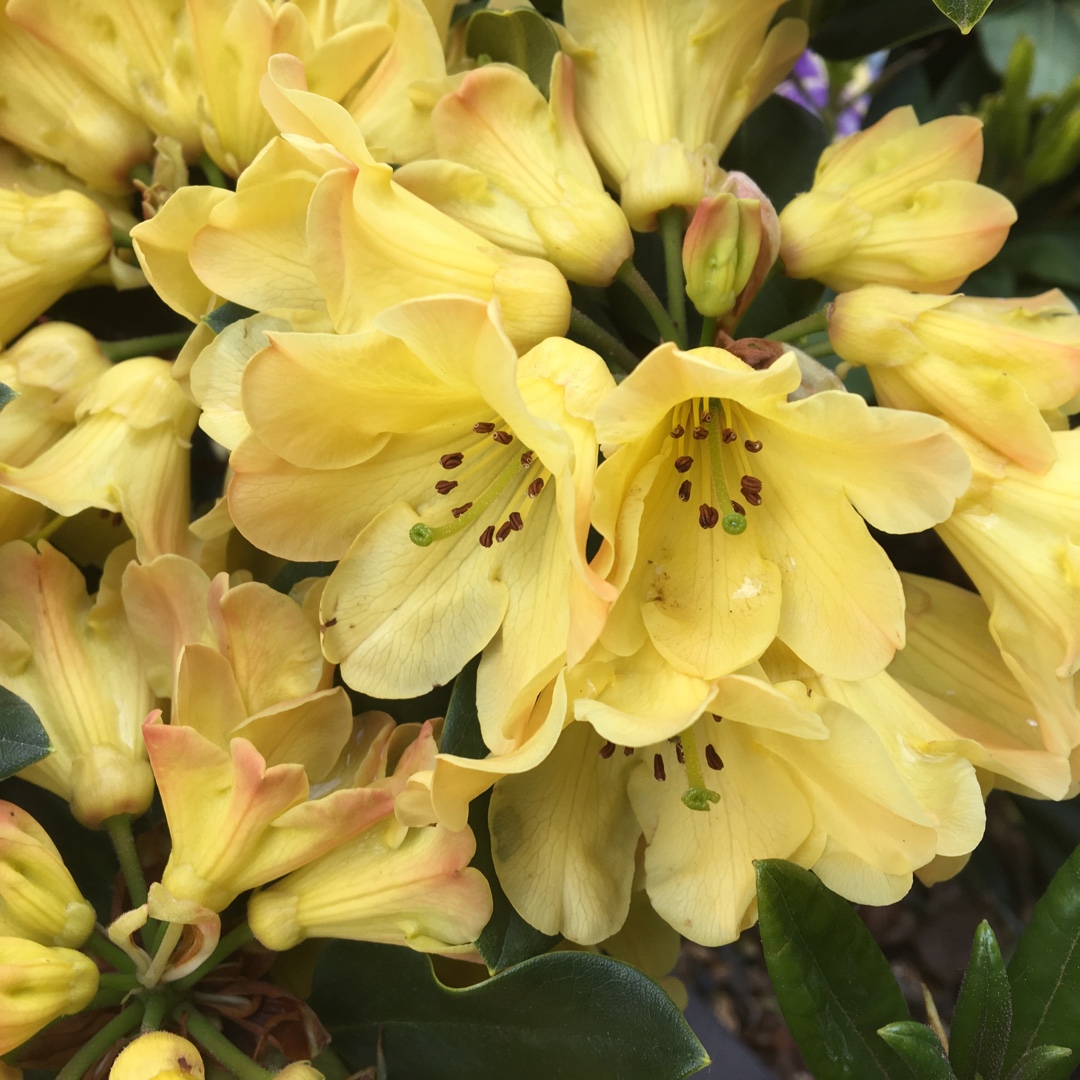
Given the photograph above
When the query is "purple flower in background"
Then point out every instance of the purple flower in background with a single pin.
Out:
(839, 96)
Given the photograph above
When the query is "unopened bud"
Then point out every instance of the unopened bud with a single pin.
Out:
(39, 899)
(158, 1055)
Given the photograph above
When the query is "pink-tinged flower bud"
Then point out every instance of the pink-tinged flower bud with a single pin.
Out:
(38, 984)
(39, 899)
(897, 204)
(158, 1055)
(732, 241)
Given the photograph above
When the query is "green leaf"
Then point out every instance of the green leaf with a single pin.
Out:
(558, 1017)
(6, 395)
(857, 27)
(920, 1048)
(1045, 970)
(292, 573)
(1043, 1063)
(523, 38)
(983, 1017)
(226, 315)
(1054, 28)
(461, 729)
(965, 13)
(833, 984)
(22, 738)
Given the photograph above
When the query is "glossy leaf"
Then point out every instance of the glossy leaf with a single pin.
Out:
(6, 394)
(983, 1016)
(920, 1048)
(858, 27)
(22, 738)
(965, 13)
(1043, 1063)
(226, 315)
(1053, 27)
(833, 984)
(1044, 972)
(461, 729)
(566, 1015)
(523, 38)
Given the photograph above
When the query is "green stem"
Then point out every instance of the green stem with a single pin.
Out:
(819, 348)
(708, 331)
(631, 277)
(100, 945)
(123, 842)
(672, 222)
(158, 1003)
(235, 939)
(606, 344)
(812, 324)
(144, 346)
(116, 980)
(121, 238)
(212, 172)
(204, 1032)
(115, 1029)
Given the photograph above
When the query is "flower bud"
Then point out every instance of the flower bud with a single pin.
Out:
(39, 899)
(158, 1055)
(897, 204)
(38, 984)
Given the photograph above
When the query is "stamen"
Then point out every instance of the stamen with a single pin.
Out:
(487, 537)
(515, 521)
(503, 437)
(753, 445)
(684, 491)
(697, 796)
(712, 758)
(535, 487)
(701, 433)
(459, 510)
(451, 461)
(708, 516)
(658, 767)
(683, 464)
(738, 507)
(752, 497)
(750, 483)
(444, 487)
(628, 751)
(678, 431)
(526, 458)
(728, 436)
(607, 749)
(706, 417)
(483, 428)
(680, 755)
(505, 529)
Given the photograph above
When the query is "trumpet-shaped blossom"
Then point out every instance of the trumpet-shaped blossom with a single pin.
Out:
(897, 204)
(991, 367)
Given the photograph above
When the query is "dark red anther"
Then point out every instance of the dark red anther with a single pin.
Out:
(526, 458)
(658, 767)
(487, 537)
(706, 417)
(680, 755)
(752, 497)
(628, 751)
(683, 464)
(750, 483)
(607, 749)
(728, 435)
(753, 445)
(483, 428)
(503, 437)
(738, 508)
(515, 521)
(535, 487)
(463, 509)
(684, 491)
(712, 757)
(678, 431)
(505, 529)
(451, 461)
(700, 433)
(444, 487)
(708, 516)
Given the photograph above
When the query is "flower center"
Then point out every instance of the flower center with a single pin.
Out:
(521, 478)
(713, 422)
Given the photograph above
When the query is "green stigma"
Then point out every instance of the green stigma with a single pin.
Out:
(421, 534)
(733, 523)
(699, 798)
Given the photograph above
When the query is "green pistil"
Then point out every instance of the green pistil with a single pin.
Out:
(697, 796)
(424, 535)
(732, 522)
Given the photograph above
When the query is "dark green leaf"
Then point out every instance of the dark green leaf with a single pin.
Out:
(564, 1016)
(507, 939)
(833, 984)
(1054, 28)
(983, 1017)
(461, 730)
(965, 13)
(523, 38)
(294, 572)
(6, 394)
(226, 315)
(1043, 1063)
(1045, 970)
(858, 27)
(920, 1048)
(22, 738)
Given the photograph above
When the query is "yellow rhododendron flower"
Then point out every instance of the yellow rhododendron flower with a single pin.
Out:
(991, 367)
(661, 89)
(729, 504)
(952, 665)
(128, 452)
(1014, 532)
(515, 168)
(38, 896)
(74, 660)
(47, 244)
(39, 984)
(50, 369)
(158, 1055)
(897, 204)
